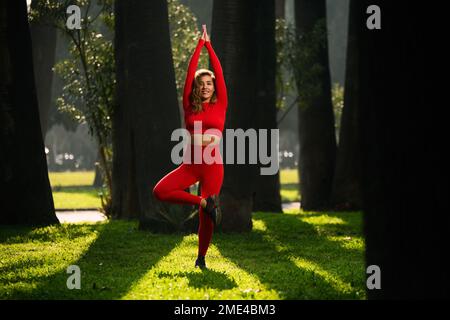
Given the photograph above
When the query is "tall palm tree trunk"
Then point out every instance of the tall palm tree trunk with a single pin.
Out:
(233, 24)
(26, 197)
(317, 154)
(147, 109)
(267, 189)
(346, 194)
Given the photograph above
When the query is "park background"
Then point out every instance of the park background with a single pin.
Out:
(107, 98)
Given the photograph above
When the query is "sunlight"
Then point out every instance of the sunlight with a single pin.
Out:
(333, 280)
(323, 220)
(174, 277)
(41, 257)
(350, 243)
(259, 225)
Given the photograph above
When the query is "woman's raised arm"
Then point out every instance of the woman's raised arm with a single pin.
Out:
(221, 89)
(193, 63)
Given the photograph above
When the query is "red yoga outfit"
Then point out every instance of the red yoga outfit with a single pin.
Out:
(171, 187)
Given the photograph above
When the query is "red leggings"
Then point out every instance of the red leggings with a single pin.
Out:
(171, 188)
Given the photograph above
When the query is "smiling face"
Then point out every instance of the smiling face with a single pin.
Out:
(206, 87)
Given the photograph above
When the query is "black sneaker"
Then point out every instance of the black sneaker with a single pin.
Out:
(213, 210)
(200, 262)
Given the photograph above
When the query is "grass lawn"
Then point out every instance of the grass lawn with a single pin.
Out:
(74, 190)
(297, 255)
(289, 185)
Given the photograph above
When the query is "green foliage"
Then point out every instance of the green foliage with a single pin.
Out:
(337, 96)
(284, 81)
(89, 85)
(298, 54)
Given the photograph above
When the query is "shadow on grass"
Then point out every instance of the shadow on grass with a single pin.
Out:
(12, 234)
(203, 280)
(76, 189)
(290, 192)
(290, 186)
(116, 260)
(296, 259)
(291, 256)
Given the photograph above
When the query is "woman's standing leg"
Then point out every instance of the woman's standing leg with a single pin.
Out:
(211, 183)
(171, 187)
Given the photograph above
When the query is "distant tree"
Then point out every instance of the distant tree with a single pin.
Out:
(337, 21)
(346, 193)
(44, 44)
(309, 60)
(267, 189)
(26, 197)
(279, 9)
(337, 96)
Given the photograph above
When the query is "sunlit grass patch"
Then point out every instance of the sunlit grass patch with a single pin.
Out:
(289, 176)
(289, 185)
(174, 277)
(297, 255)
(32, 256)
(71, 178)
(75, 190)
(76, 198)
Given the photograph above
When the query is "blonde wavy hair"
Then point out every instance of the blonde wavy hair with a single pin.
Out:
(196, 98)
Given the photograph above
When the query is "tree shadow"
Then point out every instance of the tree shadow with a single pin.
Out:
(299, 264)
(206, 279)
(118, 258)
(290, 186)
(20, 234)
(77, 189)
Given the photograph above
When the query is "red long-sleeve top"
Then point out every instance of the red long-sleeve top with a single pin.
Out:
(213, 114)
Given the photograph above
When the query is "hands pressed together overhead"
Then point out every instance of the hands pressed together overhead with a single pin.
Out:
(205, 35)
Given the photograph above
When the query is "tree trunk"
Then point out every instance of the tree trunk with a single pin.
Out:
(346, 194)
(98, 179)
(44, 44)
(24, 184)
(404, 172)
(147, 108)
(233, 39)
(317, 153)
(267, 189)
(280, 9)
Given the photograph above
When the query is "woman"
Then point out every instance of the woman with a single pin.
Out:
(204, 101)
